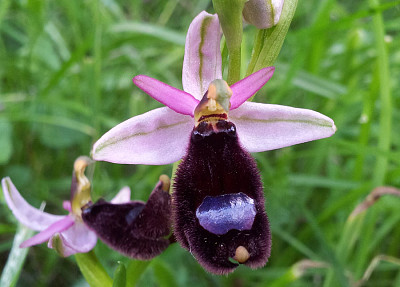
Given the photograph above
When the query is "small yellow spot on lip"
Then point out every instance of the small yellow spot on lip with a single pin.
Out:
(165, 181)
(241, 254)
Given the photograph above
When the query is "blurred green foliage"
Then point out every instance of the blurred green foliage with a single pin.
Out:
(65, 79)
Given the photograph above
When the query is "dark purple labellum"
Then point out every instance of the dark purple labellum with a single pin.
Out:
(216, 165)
(219, 214)
(135, 229)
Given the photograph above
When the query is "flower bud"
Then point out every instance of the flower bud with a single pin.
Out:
(263, 13)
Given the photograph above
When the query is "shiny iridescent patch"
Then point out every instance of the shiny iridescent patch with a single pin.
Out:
(219, 214)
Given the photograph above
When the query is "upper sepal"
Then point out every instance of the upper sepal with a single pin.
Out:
(202, 60)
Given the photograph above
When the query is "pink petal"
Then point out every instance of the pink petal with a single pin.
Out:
(264, 127)
(177, 100)
(67, 205)
(77, 239)
(44, 235)
(247, 87)
(202, 61)
(157, 137)
(124, 195)
(23, 211)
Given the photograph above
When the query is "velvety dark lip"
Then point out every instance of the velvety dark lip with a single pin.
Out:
(221, 116)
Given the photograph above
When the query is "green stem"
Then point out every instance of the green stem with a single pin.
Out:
(231, 20)
(16, 258)
(234, 65)
(92, 270)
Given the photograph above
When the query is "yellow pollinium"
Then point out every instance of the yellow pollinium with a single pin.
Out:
(215, 104)
(80, 185)
(241, 254)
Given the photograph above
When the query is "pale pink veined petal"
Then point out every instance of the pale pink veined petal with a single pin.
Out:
(124, 195)
(77, 239)
(44, 235)
(247, 87)
(23, 211)
(262, 127)
(202, 61)
(177, 100)
(157, 137)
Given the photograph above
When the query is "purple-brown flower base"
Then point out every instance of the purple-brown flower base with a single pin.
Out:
(217, 167)
(135, 229)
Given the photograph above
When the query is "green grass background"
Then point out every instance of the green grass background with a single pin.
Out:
(65, 79)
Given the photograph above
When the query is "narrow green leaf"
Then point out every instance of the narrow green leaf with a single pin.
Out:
(120, 275)
(135, 270)
(55, 121)
(4, 5)
(155, 31)
(92, 270)
(16, 258)
(319, 181)
(283, 281)
(164, 275)
(6, 146)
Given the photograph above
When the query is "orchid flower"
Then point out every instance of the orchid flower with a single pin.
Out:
(67, 234)
(218, 204)
(135, 228)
